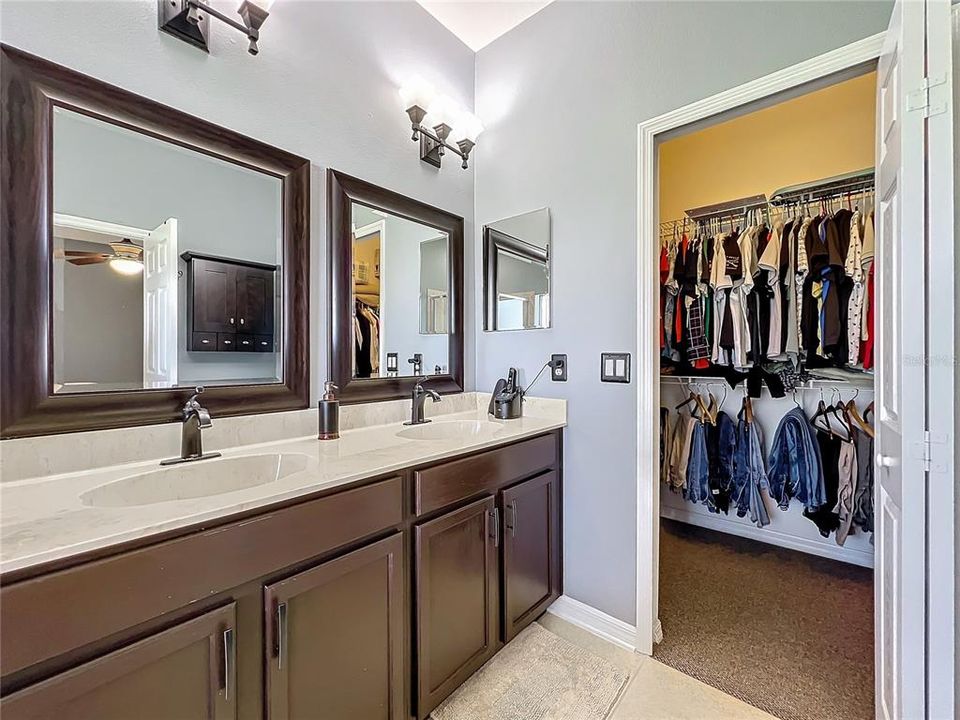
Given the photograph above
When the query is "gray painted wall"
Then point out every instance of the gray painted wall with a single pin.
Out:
(324, 86)
(561, 132)
(99, 321)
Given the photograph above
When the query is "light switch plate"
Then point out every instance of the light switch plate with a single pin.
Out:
(615, 367)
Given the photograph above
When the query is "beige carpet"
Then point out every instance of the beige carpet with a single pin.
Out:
(786, 632)
(537, 676)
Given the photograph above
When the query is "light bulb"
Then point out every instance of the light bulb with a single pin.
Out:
(125, 266)
(442, 111)
(417, 91)
(467, 127)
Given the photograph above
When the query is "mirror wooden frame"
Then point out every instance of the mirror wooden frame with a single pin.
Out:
(342, 192)
(31, 88)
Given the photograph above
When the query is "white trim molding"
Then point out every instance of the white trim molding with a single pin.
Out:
(648, 390)
(595, 621)
(724, 524)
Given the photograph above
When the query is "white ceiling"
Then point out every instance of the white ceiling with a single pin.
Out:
(480, 23)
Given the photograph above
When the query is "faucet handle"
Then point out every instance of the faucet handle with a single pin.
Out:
(192, 400)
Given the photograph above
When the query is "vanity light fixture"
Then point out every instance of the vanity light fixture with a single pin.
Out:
(189, 20)
(435, 119)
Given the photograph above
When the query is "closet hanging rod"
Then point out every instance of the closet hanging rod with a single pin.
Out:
(865, 383)
(820, 189)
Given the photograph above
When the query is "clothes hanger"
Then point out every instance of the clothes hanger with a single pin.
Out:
(822, 412)
(855, 417)
(838, 411)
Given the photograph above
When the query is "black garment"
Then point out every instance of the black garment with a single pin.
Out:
(823, 517)
(364, 365)
(720, 481)
(726, 324)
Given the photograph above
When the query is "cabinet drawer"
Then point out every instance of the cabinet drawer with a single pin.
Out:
(246, 343)
(204, 342)
(226, 342)
(264, 343)
(110, 595)
(452, 482)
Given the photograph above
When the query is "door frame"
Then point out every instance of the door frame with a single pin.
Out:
(837, 61)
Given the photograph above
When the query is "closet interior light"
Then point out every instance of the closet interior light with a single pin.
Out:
(189, 20)
(437, 120)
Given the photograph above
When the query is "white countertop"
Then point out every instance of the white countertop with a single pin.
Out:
(43, 519)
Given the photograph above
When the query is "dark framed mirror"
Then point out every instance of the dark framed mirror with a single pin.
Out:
(396, 292)
(145, 252)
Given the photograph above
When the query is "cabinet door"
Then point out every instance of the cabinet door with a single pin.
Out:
(531, 551)
(255, 306)
(188, 671)
(335, 638)
(457, 594)
(214, 296)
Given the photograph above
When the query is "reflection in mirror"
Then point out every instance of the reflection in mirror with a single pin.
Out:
(166, 263)
(401, 287)
(516, 258)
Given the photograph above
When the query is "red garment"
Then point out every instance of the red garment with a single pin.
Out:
(866, 347)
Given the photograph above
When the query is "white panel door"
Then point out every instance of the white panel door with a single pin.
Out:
(160, 306)
(901, 383)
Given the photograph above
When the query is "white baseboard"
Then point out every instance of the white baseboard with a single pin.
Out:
(771, 537)
(599, 623)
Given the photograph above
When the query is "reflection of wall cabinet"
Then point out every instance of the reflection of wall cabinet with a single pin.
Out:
(230, 304)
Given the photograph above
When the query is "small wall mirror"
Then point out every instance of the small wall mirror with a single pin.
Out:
(516, 278)
(396, 292)
(401, 293)
(165, 263)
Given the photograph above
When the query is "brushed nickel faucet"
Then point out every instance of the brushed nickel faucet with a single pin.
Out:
(417, 398)
(195, 419)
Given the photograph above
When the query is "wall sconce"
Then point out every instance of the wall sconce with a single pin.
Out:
(437, 118)
(189, 20)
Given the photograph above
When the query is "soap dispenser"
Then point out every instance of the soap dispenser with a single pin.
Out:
(329, 410)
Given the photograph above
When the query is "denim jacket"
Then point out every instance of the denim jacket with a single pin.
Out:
(795, 469)
(749, 475)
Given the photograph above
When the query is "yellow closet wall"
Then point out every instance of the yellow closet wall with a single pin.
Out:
(826, 132)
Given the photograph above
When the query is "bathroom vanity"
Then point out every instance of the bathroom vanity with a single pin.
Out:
(372, 597)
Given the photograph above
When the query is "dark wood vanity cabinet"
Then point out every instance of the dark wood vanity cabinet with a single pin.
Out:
(371, 601)
(185, 671)
(531, 550)
(457, 594)
(230, 304)
(334, 640)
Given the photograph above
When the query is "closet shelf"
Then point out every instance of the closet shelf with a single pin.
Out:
(857, 380)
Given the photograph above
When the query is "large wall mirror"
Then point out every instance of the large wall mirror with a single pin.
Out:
(516, 272)
(164, 253)
(395, 292)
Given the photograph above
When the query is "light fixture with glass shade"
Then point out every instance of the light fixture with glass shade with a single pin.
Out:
(435, 119)
(189, 20)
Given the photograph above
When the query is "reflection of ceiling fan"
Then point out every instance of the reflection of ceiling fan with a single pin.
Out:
(126, 258)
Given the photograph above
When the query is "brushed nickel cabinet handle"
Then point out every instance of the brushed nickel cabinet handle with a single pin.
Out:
(229, 660)
(281, 633)
(513, 518)
(496, 527)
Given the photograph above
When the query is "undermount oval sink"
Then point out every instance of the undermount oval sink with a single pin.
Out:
(449, 430)
(202, 478)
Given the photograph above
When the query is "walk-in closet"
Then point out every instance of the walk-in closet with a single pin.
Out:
(766, 390)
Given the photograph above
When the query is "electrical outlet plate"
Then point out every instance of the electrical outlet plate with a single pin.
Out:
(615, 367)
(559, 374)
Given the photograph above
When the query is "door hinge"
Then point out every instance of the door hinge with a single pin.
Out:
(927, 97)
(926, 451)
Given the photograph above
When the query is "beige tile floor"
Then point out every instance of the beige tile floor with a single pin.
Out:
(656, 691)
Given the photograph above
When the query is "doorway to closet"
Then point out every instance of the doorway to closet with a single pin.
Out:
(766, 401)
(914, 459)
